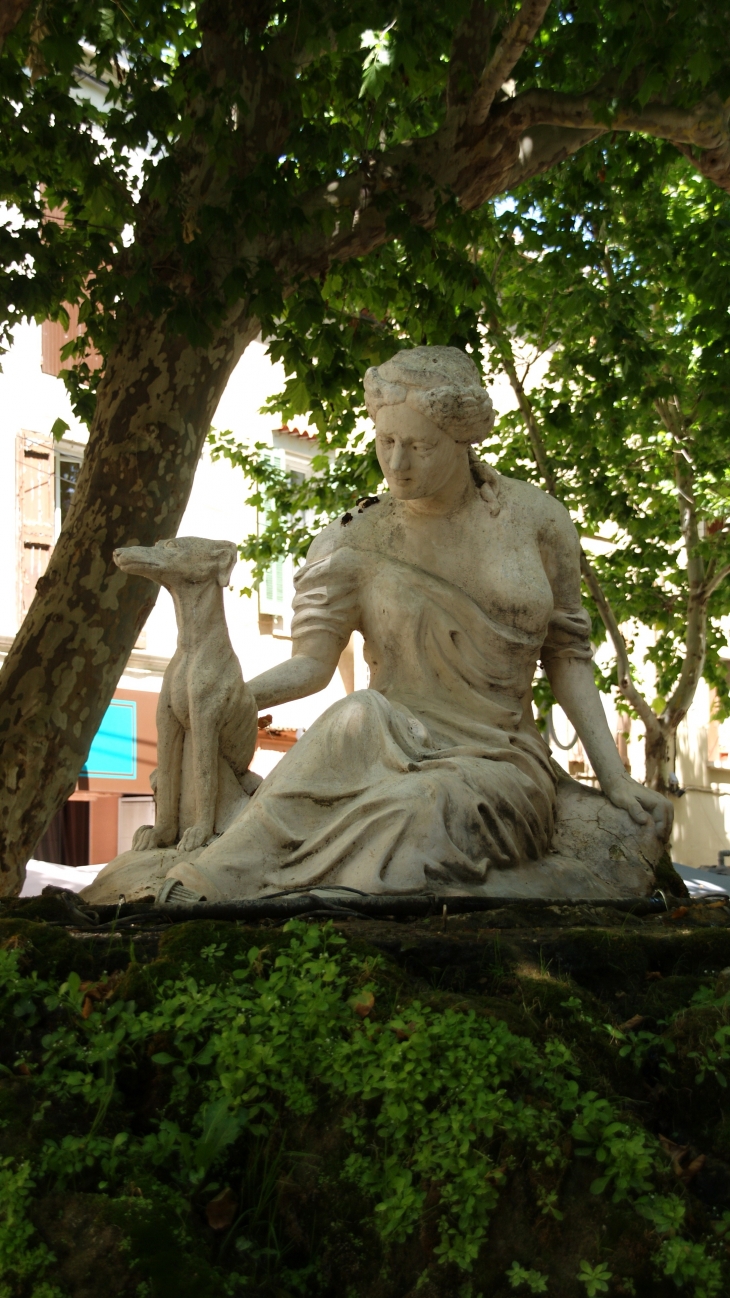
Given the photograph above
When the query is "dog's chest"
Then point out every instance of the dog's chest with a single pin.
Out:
(180, 695)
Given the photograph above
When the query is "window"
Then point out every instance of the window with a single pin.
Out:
(69, 456)
(47, 473)
(47, 476)
(113, 754)
(66, 478)
(276, 591)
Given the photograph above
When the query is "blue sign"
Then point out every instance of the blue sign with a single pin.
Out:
(113, 754)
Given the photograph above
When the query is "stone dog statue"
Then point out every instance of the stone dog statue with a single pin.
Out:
(206, 711)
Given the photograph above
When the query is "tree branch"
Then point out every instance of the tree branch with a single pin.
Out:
(713, 164)
(716, 580)
(701, 133)
(625, 682)
(704, 126)
(520, 32)
(11, 12)
(469, 51)
(540, 455)
(671, 415)
(521, 138)
(623, 666)
(538, 150)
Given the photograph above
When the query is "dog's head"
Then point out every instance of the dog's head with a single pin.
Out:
(183, 560)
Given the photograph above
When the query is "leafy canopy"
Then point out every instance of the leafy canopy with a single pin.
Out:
(211, 127)
(156, 159)
(620, 271)
(616, 269)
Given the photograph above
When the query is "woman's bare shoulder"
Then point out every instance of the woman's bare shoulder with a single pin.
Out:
(353, 529)
(531, 504)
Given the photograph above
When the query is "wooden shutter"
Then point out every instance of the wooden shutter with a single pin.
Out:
(272, 590)
(54, 337)
(36, 499)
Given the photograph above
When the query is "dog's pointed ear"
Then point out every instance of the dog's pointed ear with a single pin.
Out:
(227, 556)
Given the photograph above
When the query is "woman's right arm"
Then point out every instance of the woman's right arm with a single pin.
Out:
(325, 613)
(311, 667)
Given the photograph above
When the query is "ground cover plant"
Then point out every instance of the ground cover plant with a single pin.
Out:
(289, 1112)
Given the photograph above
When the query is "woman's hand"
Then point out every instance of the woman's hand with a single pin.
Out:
(640, 803)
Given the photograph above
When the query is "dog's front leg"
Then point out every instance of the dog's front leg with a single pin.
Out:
(170, 735)
(204, 726)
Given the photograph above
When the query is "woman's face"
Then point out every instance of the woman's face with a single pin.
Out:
(417, 459)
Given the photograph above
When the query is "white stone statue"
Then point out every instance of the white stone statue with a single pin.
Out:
(436, 778)
(207, 718)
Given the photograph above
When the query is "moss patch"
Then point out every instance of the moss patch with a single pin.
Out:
(279, 1073)
(46, 948)
(667, 878)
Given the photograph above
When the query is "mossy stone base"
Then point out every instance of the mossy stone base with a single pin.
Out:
(559, 973)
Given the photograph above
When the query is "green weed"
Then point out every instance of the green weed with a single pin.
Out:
(436, 1107)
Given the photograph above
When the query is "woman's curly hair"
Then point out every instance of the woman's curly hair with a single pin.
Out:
(439, 382)
(443, 384)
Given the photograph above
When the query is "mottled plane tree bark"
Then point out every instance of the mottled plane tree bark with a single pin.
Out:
(272, 154)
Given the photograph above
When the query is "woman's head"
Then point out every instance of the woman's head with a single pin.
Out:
(428, 407)
(441, 383)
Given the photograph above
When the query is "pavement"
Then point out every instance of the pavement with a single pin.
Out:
(705, 880)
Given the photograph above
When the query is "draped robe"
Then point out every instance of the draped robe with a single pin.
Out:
(435, 775)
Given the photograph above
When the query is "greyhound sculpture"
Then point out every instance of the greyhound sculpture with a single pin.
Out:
(204, 700)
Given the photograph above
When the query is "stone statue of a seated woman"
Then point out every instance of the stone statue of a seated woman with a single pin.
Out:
(436, 778)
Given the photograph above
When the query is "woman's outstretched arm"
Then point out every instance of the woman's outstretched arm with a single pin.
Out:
(572, 681)
(311, 667)
(575, 689)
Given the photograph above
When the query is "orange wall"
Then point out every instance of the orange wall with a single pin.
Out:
(103, 794)
(103, 828)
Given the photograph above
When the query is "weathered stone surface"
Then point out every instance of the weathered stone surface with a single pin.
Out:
(203, 700)
(597, 851)
(435, 778)
(206, 719)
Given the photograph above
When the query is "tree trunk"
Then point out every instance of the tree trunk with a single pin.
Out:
(155, 405)
(659, 733)
(659, 748)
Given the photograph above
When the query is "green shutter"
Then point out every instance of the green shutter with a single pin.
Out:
(271, 591)
(274, 583)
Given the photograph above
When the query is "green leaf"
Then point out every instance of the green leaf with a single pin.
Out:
(58, 428)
